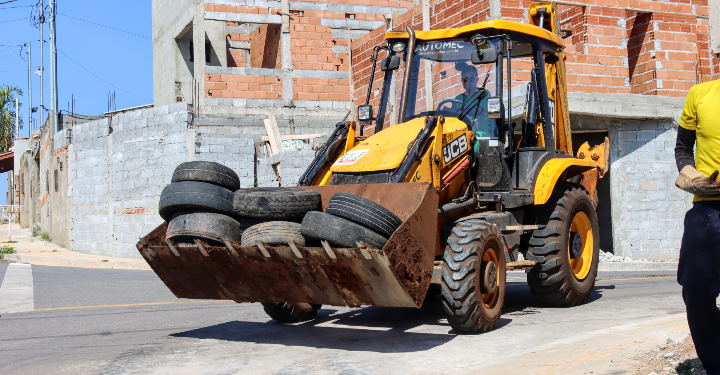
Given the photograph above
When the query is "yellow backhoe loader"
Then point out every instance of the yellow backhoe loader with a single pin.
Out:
(478, 172)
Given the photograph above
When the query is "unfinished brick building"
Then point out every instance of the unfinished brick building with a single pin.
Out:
(630, 64)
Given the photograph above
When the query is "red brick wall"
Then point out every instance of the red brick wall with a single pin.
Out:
(311, 48)
(611, 50)
(246, 87)
(265, 47)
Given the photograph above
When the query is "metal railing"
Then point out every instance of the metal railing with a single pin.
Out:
(7, 212)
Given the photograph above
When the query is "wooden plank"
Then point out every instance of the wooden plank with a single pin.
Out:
(295, 137)
(273, 135)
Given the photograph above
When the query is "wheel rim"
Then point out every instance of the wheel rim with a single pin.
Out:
(489, 256)
(581, 266)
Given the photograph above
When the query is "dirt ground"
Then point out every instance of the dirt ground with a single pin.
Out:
(671, 358)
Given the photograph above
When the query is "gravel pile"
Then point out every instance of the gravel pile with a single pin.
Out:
(671, 358)
(609, 257)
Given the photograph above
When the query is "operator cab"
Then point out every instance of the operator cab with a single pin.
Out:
(472, 74)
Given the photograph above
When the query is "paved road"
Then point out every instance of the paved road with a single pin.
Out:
(89, 321)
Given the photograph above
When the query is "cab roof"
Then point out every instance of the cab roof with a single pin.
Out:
(502, 26)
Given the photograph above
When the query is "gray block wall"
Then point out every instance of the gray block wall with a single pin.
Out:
(116, 178)
(290, 164)
(647, 209)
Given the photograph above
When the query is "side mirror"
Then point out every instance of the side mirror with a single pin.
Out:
(390, 63)
(365, 113)
(484, 56)
(494, 107)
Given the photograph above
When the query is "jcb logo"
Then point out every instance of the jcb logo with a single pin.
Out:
(455, 149)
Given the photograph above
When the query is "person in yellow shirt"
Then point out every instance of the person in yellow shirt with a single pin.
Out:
(699, 267)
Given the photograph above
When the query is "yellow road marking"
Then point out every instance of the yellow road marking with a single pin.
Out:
(128, 305)
(639, 278)
(182, 302)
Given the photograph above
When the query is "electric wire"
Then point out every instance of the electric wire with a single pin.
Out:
(96, 76)
(19, 19)
(109, 27)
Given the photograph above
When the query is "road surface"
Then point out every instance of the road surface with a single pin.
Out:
(94, 321)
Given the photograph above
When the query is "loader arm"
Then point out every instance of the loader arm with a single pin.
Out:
(555, 74)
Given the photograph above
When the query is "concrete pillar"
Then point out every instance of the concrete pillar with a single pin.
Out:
(715, 26)
(429, 100)
(199, 49)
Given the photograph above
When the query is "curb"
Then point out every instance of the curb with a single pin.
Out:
(638, 266)
(56, 261)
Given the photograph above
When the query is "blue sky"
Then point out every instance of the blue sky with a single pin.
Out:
(111, 60)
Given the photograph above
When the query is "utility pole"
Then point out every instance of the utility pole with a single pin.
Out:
(17, 116)
(29, 90)
(53, 67)
(42, 70)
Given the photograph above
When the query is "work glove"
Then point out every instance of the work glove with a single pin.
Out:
(694, 182)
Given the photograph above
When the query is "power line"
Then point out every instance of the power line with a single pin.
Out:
(109, 27)
(19, 6)
(19, 19)
(96, 76)
(114, 28)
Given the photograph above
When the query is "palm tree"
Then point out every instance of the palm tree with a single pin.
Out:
(7, 116)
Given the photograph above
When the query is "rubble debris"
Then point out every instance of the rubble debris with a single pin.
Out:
(671, 358)
(612, 258)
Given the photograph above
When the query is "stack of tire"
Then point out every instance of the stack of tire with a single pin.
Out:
(198, 204)
(204, 202)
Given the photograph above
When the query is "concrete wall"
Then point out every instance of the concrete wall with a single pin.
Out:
(172, 33)
(118, 177)
(648, 209)
(170, 20)
(283, 169)
(715, 26)
(58, 197)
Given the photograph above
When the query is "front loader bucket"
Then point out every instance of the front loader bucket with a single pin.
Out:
(398, 275)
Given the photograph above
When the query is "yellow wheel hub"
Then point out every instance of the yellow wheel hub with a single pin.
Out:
(581, 265)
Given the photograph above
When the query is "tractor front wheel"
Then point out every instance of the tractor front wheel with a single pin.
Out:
(473, 277)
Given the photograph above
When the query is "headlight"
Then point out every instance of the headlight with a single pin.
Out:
(494, 107)
(365, 113)
(399, 47)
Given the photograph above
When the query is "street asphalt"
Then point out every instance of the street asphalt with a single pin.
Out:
(98, 321)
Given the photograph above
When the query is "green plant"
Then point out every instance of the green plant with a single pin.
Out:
(8, 250)
(54, 251)
(45, 237)
(10, 242)
(7, 115)
(104, 260)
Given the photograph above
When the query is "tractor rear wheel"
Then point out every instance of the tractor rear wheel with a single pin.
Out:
(473, 276)
(288, 312)
(566, 247)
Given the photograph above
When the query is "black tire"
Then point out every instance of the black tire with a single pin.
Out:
(273, 203)
(364, 212)
(553, 280)
(195, 196)
(210, 227)
(273, 233)
(338, 231)
(470, 249)
(207, 171)
(288, 312)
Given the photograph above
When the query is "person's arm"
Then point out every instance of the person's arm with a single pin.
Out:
(684, 155)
